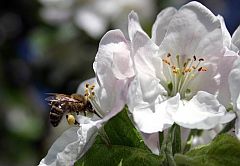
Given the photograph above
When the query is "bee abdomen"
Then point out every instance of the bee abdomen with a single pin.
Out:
(55, 115)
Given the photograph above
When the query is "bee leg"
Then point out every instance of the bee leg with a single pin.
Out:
(95, 112)
(85, 113)
(76, 123)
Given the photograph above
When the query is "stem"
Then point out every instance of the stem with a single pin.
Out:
(161, 138)
(227, 128)
(188, 144)
(171, 145)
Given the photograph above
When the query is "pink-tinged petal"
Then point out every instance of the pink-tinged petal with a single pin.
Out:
(160, 26)
(203, 111)
(111, 91)
(134, 25)
(157, 117)
(194, 30)
(70, 146)
(145, 54)
(152, 142)
(226, 35)
(147, 67)
(224, 68)
(114, 53)
(234, 82)
(236, 38)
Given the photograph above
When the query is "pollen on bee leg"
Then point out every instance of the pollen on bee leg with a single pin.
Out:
(70, 119)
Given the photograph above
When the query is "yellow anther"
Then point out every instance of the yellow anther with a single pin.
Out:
(204, 69)
(168, 55)
(166, 61)
(92, 87)
(87, 85)
(175, 71)
(187, 70)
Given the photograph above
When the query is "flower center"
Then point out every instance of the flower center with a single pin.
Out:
(180, 73)
(90, 96)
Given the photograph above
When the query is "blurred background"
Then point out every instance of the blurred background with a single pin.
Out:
(49, 46)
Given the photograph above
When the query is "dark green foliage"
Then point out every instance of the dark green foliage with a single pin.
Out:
(126, 146)
(223, 151)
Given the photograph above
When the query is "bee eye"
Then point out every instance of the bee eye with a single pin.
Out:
(70, 119)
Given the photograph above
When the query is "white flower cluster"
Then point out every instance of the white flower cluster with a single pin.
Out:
(187, 73)
(93, 16)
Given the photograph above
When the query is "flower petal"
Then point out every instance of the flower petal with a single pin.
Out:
(70, 146)
(226, 35)
(194, 30)
(147, 67)
(224, 68)
(237, 128)
(157, 117)
(160, 26)
(115, 53)
(112, 77)
(134, 25)
(152, 142)
(236, 38)
(234, 82)
(203, 111)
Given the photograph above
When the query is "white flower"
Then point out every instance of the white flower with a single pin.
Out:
(113, 68)
(236, 38)
(234, 82)
(93, 16)
(181, 72)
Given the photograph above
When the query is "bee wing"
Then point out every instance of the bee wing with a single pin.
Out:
(61, 98)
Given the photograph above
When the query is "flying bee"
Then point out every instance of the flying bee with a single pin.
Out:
(68, 104)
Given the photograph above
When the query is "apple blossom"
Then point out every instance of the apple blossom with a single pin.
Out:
(234, 81)
(107, 94)
(181, 72)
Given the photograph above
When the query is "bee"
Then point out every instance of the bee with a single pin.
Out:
(67, 104)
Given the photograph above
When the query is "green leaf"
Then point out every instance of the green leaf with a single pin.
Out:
(126, 146)
(224, 150)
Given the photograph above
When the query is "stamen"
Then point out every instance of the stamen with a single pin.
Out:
(181, 74)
